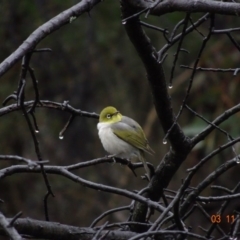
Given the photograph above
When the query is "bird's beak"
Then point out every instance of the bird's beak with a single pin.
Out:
(116, 113)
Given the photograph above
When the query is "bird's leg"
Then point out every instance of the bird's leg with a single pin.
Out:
(114, 160)
(112, 156)
(129, 161)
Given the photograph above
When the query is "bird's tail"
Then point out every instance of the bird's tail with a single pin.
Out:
(142, 159)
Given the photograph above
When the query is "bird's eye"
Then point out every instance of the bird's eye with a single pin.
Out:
(108, 116)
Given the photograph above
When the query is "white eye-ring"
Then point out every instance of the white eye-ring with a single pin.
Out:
(108, 116)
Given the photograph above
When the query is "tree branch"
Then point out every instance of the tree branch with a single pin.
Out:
(211, 6)
(65, 171)
(8, 229)
(221, 118)
(51, 105)
(181, 145)
(202, 185)
(46, 29)
(53, 230)
(156, 78)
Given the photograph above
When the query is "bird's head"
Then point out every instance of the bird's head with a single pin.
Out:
(110, 115)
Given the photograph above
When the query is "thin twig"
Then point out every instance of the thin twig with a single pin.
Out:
(185, 23)
(22, 83)
(9, 229)
(95, 237)
(207, 181)
(70, 120)
(61, 170)
(93, 224)
(153, 27)
(205, 40)
(224, 206)
(211, 69)
(11, 223)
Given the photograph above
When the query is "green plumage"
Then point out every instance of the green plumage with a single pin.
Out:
(131, 132)
(123, 136)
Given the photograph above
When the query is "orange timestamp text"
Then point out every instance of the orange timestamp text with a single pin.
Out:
(217, 218)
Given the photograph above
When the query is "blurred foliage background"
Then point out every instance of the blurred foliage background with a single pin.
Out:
(93, 64)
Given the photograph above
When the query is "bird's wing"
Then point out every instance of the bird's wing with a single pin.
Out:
(135, 135)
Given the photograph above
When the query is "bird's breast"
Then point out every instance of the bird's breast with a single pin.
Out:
(113, 144)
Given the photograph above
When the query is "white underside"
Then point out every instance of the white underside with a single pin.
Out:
(114, 145)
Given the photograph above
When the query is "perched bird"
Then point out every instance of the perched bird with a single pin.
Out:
(122, 136)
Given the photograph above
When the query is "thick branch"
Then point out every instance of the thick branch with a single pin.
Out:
(156, 78)
(54, 230)
(47, 28)
(8, 229)
(211, 6)
(181, 145)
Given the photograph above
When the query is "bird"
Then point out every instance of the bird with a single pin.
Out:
(122, 136)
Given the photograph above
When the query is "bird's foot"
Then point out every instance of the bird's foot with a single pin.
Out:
(112, 157)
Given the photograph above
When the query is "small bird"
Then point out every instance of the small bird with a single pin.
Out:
(122, 136)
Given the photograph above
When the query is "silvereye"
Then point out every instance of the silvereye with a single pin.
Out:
(122, 136)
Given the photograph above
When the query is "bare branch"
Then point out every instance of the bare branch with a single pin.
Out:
(205, 40)
(211, 6)
(185, 23)
(223, 207)
(22, 159)
(211, 177)
(218, 198)
(21, 97)
(172, 233)
(156, 78)
(235, 227)
(221, 118)
(51, 105)
(211, 69)
(8, 229)
(46, 29)
(52, 230)
(208, 218)
(63, 171)
(93, 224)
(95, 237)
